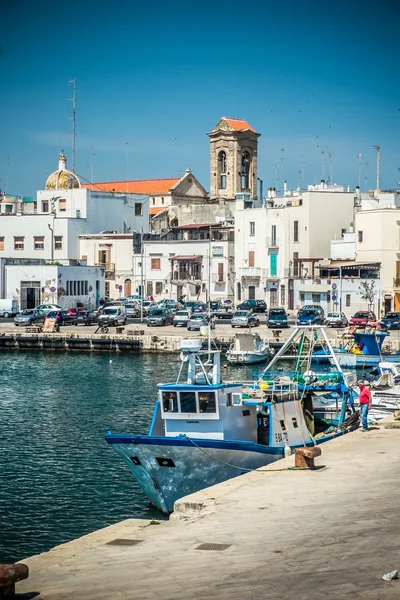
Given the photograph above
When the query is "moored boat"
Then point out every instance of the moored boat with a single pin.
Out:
(248, 349)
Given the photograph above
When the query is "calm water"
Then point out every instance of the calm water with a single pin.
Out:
(59, 479)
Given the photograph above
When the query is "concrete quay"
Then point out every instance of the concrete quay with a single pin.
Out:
(284, 535)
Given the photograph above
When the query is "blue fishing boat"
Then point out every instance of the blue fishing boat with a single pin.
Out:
(205, 431)
(363, 349)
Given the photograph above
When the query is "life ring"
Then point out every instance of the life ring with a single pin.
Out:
(352, 330)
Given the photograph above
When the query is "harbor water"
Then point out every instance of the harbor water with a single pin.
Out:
(59, 479)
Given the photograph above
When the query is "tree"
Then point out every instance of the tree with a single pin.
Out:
(368, 292)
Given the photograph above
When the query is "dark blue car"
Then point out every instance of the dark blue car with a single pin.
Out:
(390, 321)
(277, 317)
(310, 316)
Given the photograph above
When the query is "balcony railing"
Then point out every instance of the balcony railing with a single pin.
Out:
(109, 269)
(252, 272)
(272, 242)
(185, 276)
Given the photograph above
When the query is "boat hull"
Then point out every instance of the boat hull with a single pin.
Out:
(349, 360)
(246, 358)
(170, 468)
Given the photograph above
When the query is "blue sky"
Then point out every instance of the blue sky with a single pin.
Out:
(154, 77)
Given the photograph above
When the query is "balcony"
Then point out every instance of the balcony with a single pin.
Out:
(272, 242)
(251, 272)
(181, 277)
(109, 269)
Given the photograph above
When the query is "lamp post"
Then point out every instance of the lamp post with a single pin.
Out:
(141, 275)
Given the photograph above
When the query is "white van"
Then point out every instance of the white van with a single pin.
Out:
(116, 314)
(9, 308)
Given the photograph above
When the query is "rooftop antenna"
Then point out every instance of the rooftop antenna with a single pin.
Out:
(378, 167)
(302, 172)
(366, 176)
(8, 159)
(276, 176)
(360, 157)
(126, 165)
(323, 165)
(330, 168)
(73, 118)
(92, 155)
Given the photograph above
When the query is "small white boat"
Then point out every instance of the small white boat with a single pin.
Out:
(248, 349)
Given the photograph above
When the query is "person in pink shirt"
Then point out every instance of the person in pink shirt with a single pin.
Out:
(365, 404)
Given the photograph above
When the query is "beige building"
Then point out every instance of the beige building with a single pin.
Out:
(378, 239)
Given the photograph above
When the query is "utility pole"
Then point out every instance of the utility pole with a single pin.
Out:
(360, 157)
(141, 275)
(73, 100)
(8, 159)
(92, 165)
(366, 176)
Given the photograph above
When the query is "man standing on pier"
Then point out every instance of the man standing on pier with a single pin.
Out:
(365, 404)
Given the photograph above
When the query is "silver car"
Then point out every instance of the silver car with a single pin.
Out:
(336, 319)
(198, 320)
(181, 317)
(244, 318)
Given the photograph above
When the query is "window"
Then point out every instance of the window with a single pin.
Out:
(316, 298)
(302, 296)
(155, 264)
(58, 242)
(170, 401)
(149, 288)
(273, 235)
(343, 232)
(138, 209)
(245, 170)
(360, 237)
(159, 287)
(62, 205)
(251, 258)
(45, 206)
(9, 208)
(38, 242)
(295, 264)
(188, 402)
(295, 231)
(154, 201)
(348, 300)
(1, 243)
(207, 402)
(78, 214)
(19, 243)
(220, 272)
(162, 200)
(222, 169)
(252, 228)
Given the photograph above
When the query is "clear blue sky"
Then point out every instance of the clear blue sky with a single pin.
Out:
(154, 77)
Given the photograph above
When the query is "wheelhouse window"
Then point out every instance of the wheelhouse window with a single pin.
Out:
(207, 402)
(188, 402)
(170, 402)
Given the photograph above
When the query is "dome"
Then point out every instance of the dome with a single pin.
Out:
(62, 179)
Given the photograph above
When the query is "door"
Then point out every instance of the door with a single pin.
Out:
(127, 287)
(252, 292)
(30, 294)
(388, 305)
(273, 297)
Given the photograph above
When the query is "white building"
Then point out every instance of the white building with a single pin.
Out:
(285, 239)
(113, 251)
(191, 264)
(68, 285)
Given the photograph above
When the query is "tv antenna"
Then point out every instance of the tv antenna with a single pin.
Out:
(360, 157)
(73, 118)
(378, 167)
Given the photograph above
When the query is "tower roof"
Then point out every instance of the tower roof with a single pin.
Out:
(62, 178)
(237, 124)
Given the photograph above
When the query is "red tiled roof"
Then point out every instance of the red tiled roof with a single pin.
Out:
(155, 210)
(238, 124)
(141, 186)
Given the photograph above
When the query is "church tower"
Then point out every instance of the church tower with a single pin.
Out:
(233, 159)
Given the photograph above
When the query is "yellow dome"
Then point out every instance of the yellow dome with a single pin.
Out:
(62, 179)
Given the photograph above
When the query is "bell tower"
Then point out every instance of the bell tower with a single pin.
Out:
(233, 159)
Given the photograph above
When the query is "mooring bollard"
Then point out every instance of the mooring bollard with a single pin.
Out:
(304, 457)
(9, 575)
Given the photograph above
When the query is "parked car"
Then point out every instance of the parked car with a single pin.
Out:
(244, 318)
(132, 309)
(30, 316)
(172, 305)
(86, 317)
(336, 319)
(390, 321)
(362, 317)
(198, 320)
(48, 307)
(316, 307)
(74, 311)
(62, 317)
(159, 316)
(181, 317)
(254, 305)
(112, 315)
(147, 305)
(8, 308)
(226, 309)
(310, 316)
(277, 317)
(195, 306)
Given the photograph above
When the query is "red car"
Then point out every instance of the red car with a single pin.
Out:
(361, 318)
(74, 311)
